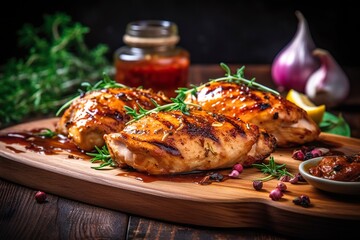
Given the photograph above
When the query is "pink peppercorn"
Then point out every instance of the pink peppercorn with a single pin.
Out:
(238, 167)
(298, 155)
(316, 152)
(285, 178)
(276, 194)
(40, 197)
(281, 186)
(234, 174)
(294, 180)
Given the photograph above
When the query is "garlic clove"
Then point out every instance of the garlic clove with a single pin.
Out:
(294, 64)
(329, 84)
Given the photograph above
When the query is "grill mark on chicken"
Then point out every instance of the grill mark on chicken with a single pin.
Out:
(167, 148)
(264, 106)
(200, 128)
(237, 128)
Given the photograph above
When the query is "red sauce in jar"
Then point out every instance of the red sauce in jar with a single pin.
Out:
(151, 58)
(160, 74)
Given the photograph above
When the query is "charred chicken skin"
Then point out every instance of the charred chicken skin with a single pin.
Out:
(289, 124)
(102, 111)
(174, 142)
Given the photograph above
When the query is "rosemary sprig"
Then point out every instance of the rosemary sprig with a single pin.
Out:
(273, 170)
(102, 155)
(106, 82)
(178, 102)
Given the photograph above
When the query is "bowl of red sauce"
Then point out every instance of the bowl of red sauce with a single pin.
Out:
(336, 174)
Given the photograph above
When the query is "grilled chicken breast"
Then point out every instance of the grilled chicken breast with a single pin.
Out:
(102, 111)
(173, 142)
(289, 124)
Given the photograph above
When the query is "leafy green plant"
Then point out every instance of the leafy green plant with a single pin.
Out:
(57, 62)
(335, 125)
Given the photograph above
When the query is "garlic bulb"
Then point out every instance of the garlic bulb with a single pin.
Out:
(328, 85)
(294, 64)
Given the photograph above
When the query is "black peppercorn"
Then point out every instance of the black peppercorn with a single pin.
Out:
(303, 201)
(337, 168)
(216, 177)
(257, 185)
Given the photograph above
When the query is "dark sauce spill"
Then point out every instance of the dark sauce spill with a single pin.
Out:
(59, 144)
(32, 141)
(199, 177)
(14, 149)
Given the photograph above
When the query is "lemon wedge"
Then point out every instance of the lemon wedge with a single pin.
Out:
(301, 100)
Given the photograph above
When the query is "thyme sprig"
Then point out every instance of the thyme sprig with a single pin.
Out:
(178, 103)
(273, 170)
(103, 156)
(239, 78)
(106, 82)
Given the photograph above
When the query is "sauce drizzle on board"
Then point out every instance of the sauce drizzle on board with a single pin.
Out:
(31, 140)
(198, 177)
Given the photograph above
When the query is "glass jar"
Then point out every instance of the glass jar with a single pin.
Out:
(151, 58)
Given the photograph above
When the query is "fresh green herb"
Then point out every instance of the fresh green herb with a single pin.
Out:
(102, 155)
(273, 170)
(47, 133)
(239, 78)
(178, 102)
(56, 63)
(106, 82)
(335, 124)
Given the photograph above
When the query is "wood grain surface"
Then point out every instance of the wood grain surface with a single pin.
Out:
(228, 204)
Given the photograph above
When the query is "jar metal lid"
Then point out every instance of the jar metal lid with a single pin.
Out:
(151, 33)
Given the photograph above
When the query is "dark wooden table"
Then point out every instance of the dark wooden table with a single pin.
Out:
(21, 217)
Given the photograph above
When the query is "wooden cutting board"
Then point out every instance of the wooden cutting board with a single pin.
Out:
(231, 203)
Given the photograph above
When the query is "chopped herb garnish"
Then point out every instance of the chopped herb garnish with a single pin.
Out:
(273, 170)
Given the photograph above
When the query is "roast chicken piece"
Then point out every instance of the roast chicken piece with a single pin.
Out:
(102, 111)
(289, 124)
(174, 142)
